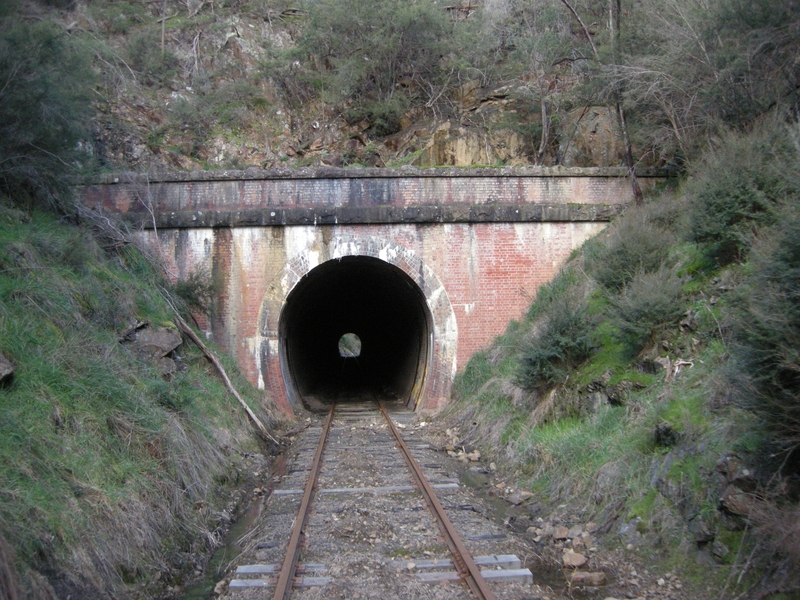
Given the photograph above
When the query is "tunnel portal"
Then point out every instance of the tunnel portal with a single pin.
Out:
(378, 304)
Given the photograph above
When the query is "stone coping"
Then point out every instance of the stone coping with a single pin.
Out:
(405, 172)
(365, 215)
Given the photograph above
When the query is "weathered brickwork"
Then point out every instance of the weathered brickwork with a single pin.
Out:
(476, 277)
(476, 274)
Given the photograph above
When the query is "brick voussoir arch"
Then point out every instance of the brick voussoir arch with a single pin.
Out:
(441, 369)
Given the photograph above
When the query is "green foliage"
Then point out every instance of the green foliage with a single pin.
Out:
(766, 329)
(561, 341)
(196, 293)
(117, 17)
(739, 186)
(382, 115)
(372, 57)
(634, 245)
(756, 57)
(552, 292)
(743, 65)
(45, 86)
(649, 302)
(211, 107)
(156, 66)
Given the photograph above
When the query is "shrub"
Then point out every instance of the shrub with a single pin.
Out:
(228, 105)
(649, 302)
(156, 67)
(739, 186)
(553, 292)
(363, 54)
(766, 329)
(45, 87)
(196, 293)
(117, 17)
(634, 245)
(561, 342)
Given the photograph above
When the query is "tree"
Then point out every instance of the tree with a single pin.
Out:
(44, 108)
(688, 67)
(531, 38)
(614, 15)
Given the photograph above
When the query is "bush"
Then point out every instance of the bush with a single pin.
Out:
(561, 342)
(766, 329)
(117, 17)
(649, 302)
(226, 105)
(364, 54)
(739, 186)
(633, 245)
(45, 87)
(195, 294)
(147, 59)
(553, 292)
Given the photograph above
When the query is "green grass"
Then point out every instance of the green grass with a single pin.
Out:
(96, 447)
(666, 280)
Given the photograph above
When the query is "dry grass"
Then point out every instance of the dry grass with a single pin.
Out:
(9, 579)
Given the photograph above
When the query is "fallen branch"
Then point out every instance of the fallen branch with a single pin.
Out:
(217, 365)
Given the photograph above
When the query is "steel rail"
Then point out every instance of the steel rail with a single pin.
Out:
(286, 578)
(467, 568)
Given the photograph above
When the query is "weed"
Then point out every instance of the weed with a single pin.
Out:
(117, 17)
(45, 106)
(766, 328)
(145, 56)
(196, 293)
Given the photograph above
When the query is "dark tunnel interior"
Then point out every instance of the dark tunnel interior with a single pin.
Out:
(378, 303)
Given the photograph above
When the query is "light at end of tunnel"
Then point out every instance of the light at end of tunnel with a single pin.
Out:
(349, 346)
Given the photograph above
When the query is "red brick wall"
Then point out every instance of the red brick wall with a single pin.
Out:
(490, 272)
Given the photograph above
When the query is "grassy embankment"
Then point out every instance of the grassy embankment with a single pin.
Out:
(575, 403)
(112, 477)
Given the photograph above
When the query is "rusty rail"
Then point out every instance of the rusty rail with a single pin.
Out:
(462, 559)
(467, 568)
(286, 578)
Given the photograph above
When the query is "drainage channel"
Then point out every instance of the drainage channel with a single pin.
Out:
(364, 511)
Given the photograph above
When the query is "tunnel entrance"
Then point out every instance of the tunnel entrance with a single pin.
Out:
(355, 298)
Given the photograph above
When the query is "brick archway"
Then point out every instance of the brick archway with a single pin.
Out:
(443, 347)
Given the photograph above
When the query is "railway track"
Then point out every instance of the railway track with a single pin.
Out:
(366, 511)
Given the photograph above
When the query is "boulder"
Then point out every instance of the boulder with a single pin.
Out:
(737, 502)
(6, 371)
(519, 497)
(575, 532)
(573, 560)
(594, 578)
(154, 345)
(157, 342)
(736, 473)
(560, 533)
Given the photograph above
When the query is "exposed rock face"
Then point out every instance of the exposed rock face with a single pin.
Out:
(482, 134)
(589, 137)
